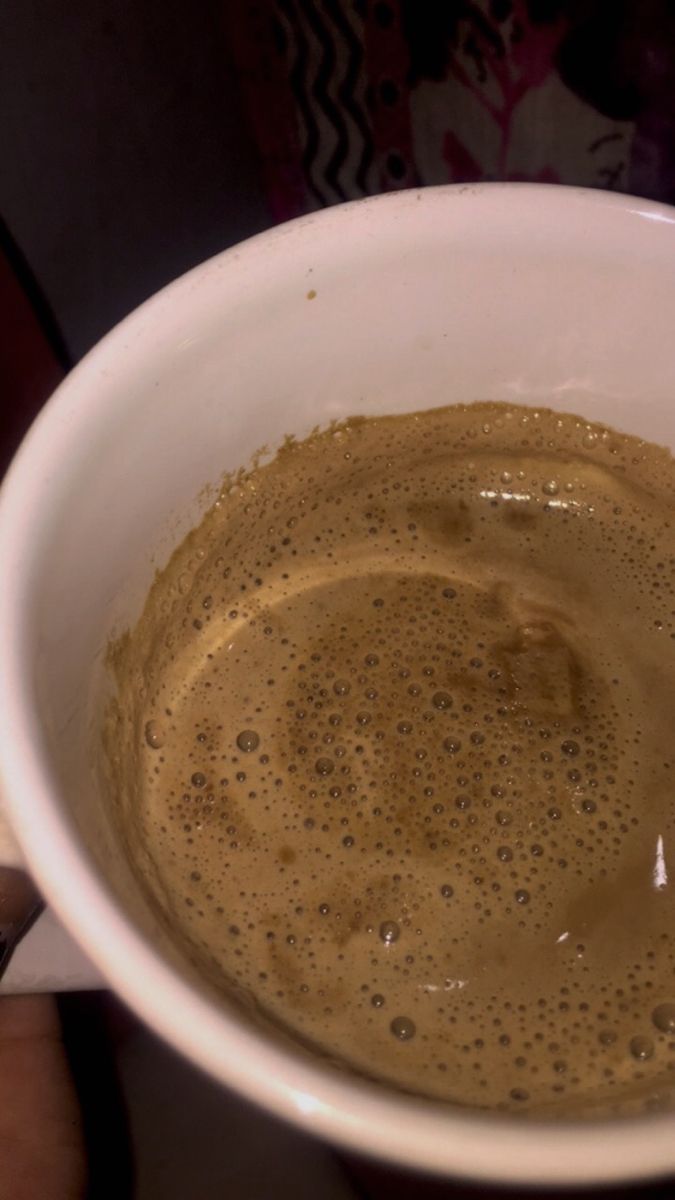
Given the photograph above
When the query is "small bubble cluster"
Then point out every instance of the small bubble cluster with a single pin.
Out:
(403, 762)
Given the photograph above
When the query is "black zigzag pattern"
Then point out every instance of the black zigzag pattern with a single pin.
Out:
(347, 92)
(338, 45)
(298, 80)
(323, 98)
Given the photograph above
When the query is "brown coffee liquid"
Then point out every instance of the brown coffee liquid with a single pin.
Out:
(395, 739)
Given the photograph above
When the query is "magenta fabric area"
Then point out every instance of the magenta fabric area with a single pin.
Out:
(347, 98)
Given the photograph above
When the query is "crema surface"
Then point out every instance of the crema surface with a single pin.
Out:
(393, 747)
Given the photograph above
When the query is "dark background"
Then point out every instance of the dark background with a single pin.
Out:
(124, 153)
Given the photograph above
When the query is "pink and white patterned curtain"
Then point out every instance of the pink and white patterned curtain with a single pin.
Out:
(350, 97)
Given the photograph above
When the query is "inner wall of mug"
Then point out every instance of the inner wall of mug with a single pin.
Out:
(377, 308)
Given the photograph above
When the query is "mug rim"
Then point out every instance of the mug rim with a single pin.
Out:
(363, 1117)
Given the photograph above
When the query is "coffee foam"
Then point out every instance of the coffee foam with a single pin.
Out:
(392, 742)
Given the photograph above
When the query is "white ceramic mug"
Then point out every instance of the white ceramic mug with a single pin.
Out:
(538, 295)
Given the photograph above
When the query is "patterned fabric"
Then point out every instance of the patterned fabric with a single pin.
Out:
(351, 97)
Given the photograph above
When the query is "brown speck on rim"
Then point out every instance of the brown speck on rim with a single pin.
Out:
(311, 295)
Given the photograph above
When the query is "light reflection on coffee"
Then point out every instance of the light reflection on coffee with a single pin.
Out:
(392, 747)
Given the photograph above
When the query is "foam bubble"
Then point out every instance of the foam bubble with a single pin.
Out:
(154, 735)
(663, 1017)
(248, 741)
(403, 1028)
